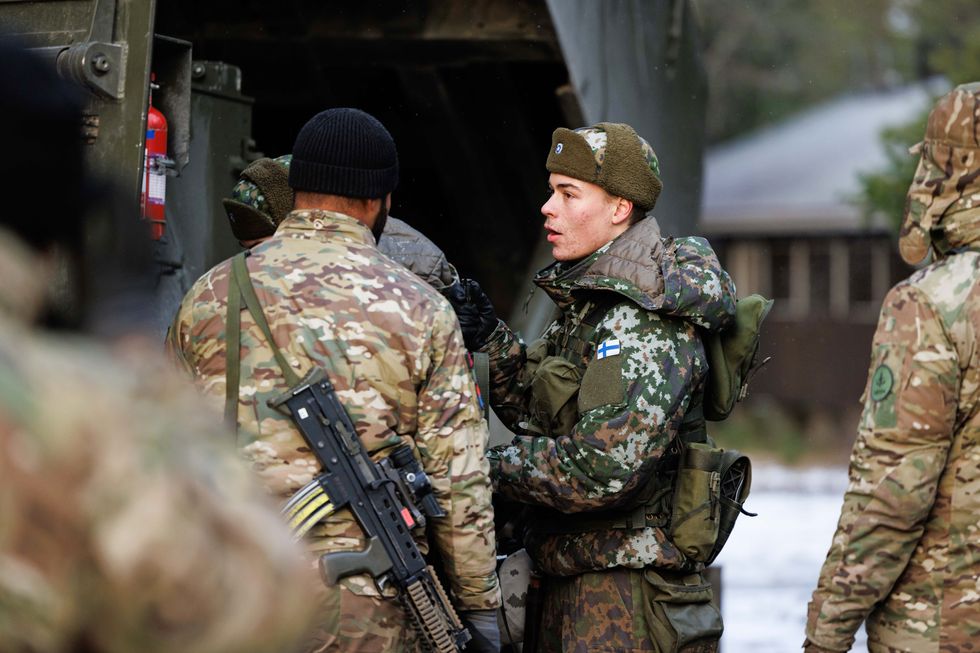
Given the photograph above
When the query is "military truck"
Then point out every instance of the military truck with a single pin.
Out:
(470, 89)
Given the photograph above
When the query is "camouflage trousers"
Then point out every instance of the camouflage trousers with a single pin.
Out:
(364, 624)
(626, 611)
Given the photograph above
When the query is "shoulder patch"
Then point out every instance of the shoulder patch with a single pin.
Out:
(602, 384)
(881, 382)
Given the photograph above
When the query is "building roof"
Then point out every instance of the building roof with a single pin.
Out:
(798, 176)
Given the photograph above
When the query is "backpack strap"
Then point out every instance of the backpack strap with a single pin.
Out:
(577, 345)
(693, 428)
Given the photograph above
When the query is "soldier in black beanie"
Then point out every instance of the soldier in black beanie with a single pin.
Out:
(345, 160)
(392, 348)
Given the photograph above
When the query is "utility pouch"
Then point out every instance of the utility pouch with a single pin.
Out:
(736, 481)
(732, 357)
(694, 520)
(554, 391)
(678, 611)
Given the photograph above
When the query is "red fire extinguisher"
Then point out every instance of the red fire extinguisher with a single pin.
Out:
(155, 169)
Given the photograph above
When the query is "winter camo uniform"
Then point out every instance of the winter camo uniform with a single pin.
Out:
(906, 555)
(596, 446)
(127, 522)
(321, 278)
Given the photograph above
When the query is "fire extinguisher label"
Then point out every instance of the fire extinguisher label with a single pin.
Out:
(157, 191)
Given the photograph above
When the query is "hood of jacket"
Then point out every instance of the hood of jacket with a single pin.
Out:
(942, 210)
(678, 277)
(408, 246)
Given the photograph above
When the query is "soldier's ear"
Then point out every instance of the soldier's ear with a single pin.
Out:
(624, 208)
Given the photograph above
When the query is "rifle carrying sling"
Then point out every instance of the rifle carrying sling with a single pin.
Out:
(240, 288)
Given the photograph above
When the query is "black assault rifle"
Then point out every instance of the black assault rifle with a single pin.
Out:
(351, 479)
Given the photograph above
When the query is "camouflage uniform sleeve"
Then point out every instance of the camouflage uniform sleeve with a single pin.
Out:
(136, 528)
(172, 343)
(196, 338)
(452, 439)
(508, 359)
(898, 457)
(628, 406)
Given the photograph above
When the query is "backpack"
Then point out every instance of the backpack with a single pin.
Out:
(712, 484)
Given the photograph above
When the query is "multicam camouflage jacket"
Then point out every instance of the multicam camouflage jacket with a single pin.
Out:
(593, 444)
(405, 380)
(905, 554)
(127, 521)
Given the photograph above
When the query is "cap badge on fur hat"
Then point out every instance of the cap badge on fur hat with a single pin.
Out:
(612, 156)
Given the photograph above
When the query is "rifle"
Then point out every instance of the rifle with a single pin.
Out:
(384, 511)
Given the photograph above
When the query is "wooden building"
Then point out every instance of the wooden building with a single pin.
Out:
(779, 206)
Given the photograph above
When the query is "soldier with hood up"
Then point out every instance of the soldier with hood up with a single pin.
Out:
(602, 399)
(905, 558)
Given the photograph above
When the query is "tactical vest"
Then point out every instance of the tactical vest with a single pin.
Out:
(560, 367)
(694, 492)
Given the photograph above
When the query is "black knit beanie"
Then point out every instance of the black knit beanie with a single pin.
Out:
(344, 152)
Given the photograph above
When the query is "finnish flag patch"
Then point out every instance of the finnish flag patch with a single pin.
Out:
(607, 348)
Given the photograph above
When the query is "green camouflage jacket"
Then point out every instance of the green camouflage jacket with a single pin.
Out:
(905, 554)
(127, 521)
(646, 360)
(322, 278)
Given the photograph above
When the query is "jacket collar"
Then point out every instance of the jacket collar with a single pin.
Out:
(679, 277)
(628, 264)
(317, 223)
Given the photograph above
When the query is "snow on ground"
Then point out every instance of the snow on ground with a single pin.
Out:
(771, 563)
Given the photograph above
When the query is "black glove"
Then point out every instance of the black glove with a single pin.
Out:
(483, 627)
(474, 311)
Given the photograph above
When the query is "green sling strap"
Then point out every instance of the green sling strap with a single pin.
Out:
(233, 351)
(240, 288)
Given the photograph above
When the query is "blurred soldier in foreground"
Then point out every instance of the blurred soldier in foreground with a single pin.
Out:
(262, 198)
(602, 400)
(126, 521)
(905, 556)
(403, 378)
